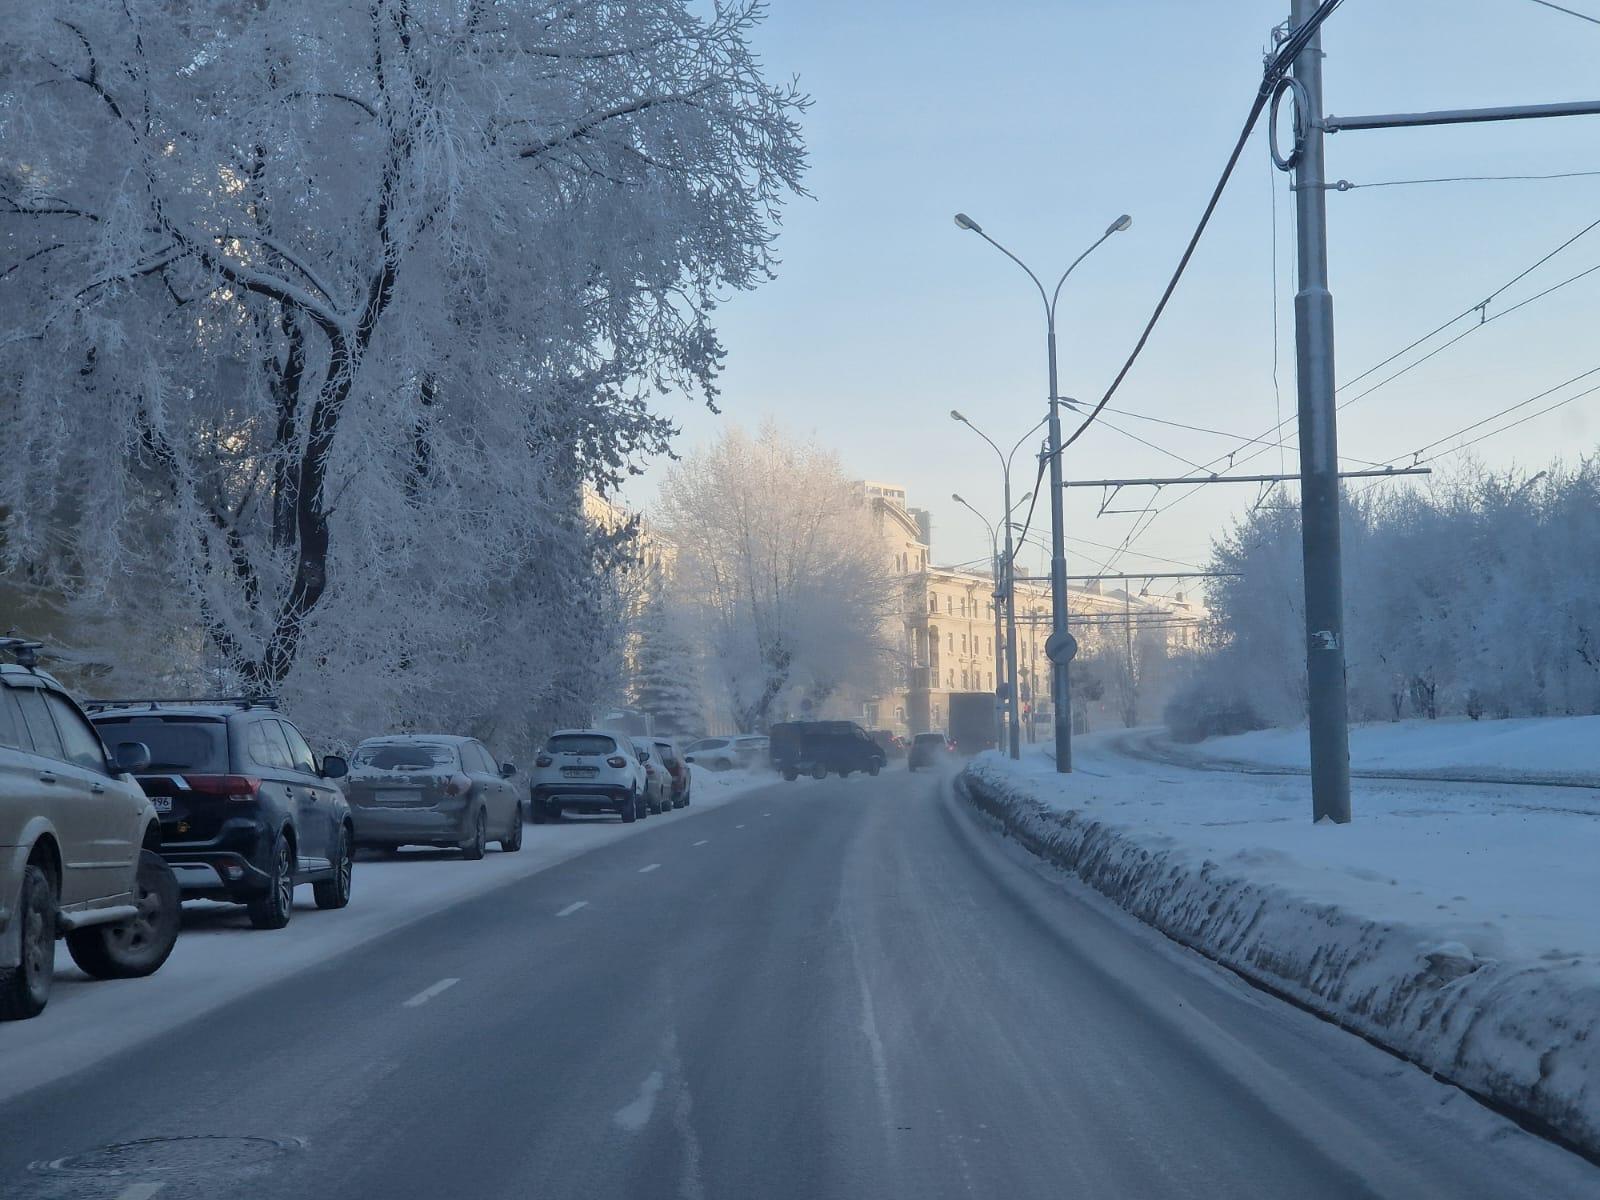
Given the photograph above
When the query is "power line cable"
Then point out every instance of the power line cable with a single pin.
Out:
(1571, 12)
(1344, 185)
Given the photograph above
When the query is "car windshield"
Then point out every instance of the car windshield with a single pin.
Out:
(197, 744)
(580, 743)
(403, 756)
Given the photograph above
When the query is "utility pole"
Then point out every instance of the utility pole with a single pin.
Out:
(1319, 458)
(1060, 672)
(1014, 701)
(999, 654)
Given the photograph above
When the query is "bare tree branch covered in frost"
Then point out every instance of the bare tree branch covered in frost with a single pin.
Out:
(315, 315)
(775, 539)
(1479, 596)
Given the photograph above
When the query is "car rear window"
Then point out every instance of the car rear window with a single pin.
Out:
(404, 756)
(927, 739)
(581, 743)
(176, 743)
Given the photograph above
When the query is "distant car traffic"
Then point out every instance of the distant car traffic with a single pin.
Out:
(657, 779)
(77, 840)
(247, 810)
(890, 742)
(929, 750)
(816, 747)
(587, 771)
(433, 790)
(668, 753)
(726, 753)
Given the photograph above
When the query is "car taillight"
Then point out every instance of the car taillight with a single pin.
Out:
(544, 760)
(616, 760)
(457, 785)
(233, 787)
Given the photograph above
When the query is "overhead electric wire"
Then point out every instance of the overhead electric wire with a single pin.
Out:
(1344, 185)
(1571, 12)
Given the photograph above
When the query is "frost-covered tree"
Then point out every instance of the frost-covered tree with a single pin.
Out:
(779, 547)
(316, 314)
(666, 669)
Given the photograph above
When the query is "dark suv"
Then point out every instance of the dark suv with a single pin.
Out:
(816, 747)
(247, 811)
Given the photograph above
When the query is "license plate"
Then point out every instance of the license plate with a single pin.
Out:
(161, 803)
(577, 772)
(396, 797)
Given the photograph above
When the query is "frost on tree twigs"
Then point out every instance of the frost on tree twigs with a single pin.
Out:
(314, 317)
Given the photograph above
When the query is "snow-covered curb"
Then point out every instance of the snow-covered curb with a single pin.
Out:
(1524, 1035)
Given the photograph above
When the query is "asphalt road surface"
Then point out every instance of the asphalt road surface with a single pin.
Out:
(840, 989)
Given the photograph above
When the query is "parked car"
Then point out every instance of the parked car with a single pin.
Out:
(667, 752)
(431, 789)
(726, 753)
(816, 747)
(589, 771)
(890, 742)
(77, 840)
(657, 779)
(247, 811)
(929, 750)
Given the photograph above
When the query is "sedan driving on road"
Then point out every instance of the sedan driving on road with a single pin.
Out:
(433, 790)
(587, 771)
(929, 750)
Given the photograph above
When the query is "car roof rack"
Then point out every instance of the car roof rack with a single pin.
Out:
(152, 702)
(26, 652)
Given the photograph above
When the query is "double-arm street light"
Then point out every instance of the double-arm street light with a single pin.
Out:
(1003, 579)
(1061, 685)
(999, 639)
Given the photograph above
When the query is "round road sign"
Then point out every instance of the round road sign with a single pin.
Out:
(1061, 647)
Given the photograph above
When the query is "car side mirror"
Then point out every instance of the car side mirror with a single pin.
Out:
(334, 767)
(131, 757)
(688, 758)
(507, 770)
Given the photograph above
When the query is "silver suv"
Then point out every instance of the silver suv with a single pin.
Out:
(77, 845)
(589, 771)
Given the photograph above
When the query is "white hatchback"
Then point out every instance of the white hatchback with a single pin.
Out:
(587, 771)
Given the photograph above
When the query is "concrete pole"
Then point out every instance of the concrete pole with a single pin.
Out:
(1319, 459)
(1060, 677)
(999, 654)
(1014, 700)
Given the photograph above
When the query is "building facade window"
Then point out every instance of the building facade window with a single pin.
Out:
(964, 683)
(952, 645)
(933, 604)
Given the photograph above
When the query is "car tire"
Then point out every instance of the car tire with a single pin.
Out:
(512, 842)
(273, 908)
(25, 988)
(335, 892)
(790, 774)
(537, 813)
(136, 948)
(473, 848)
(629, 812)
(874, 768)
(819, 772)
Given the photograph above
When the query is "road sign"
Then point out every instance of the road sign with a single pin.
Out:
(1061, 647)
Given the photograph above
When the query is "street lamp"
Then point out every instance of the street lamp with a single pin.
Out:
(1003, 579)
(1061, 699)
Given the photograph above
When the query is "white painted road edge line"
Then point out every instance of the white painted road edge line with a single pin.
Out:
(139, 1191)
(428, 993)
(647, 870)
(572, 908)
(702, 841)
(738, 826)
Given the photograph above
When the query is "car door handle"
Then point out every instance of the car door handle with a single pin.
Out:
(97, 788)
(47, 777)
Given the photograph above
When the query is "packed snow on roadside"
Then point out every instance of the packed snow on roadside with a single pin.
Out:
(1453, 922)
(219, 958)
(1543, 747)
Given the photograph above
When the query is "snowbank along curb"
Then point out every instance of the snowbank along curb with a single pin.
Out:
(1525, 1035)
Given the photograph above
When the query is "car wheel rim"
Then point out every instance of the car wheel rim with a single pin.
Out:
(284, 884)
(36, 946)
(346, 861)
(479, 837)
(139, 933)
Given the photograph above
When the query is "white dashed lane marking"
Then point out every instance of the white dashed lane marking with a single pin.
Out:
(428, 993)
(702, 841)
(572, 908)
(738, 826)
(139, 1191)
(646, 870)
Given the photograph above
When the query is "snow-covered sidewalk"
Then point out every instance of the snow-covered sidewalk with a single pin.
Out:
(1454, 923)
(1555, 749)
(219, 958)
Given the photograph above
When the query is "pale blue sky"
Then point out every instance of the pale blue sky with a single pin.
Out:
(1046, 120)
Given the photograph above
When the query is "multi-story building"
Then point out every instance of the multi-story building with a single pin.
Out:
(944, 633)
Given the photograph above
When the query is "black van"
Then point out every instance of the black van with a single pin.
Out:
(816, 747)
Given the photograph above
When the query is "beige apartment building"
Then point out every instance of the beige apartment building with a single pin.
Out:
(943, 633)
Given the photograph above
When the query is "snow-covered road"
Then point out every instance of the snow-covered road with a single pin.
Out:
(219, 958)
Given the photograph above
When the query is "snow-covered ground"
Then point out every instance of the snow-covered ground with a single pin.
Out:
(1532, 747)
(1453, 921)
(219, 957)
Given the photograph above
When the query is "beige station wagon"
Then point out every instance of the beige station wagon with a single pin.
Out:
(77, 842)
